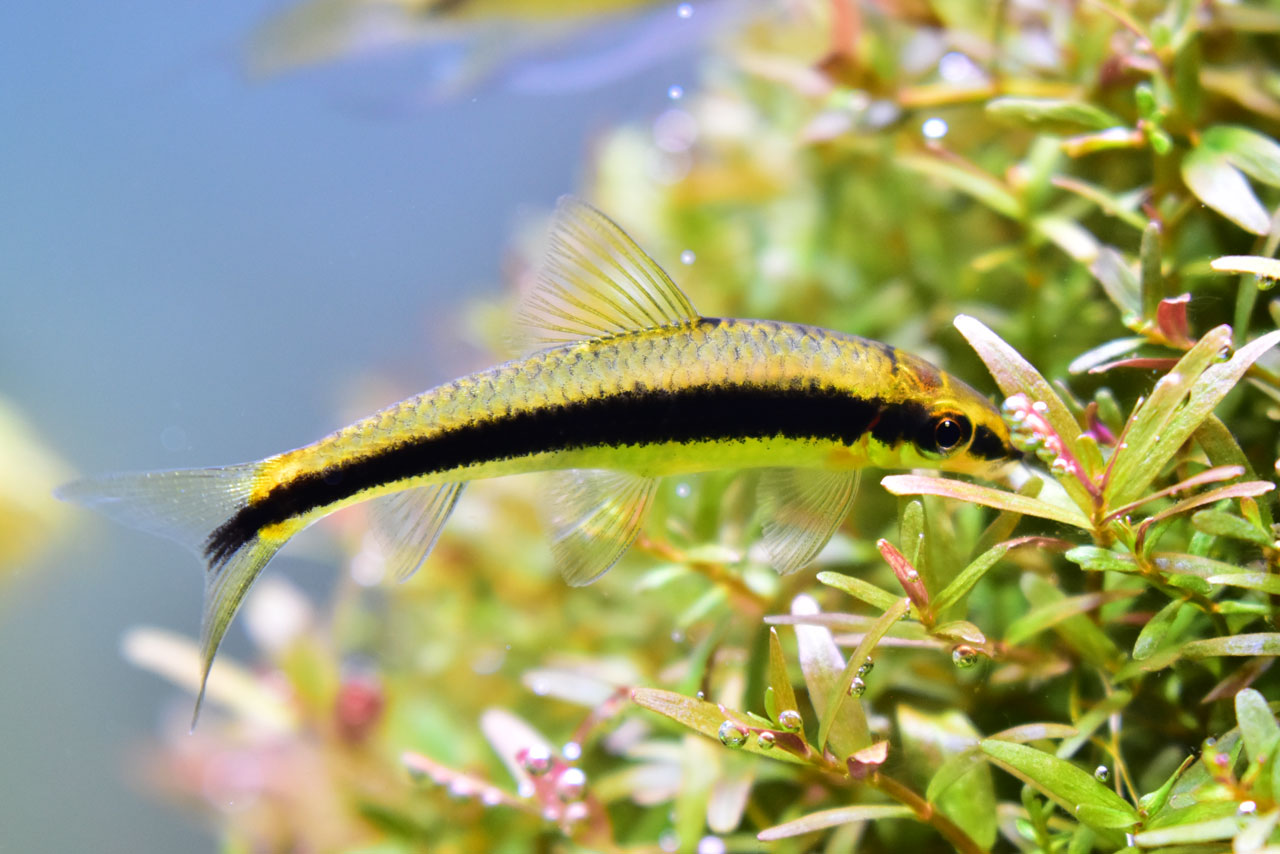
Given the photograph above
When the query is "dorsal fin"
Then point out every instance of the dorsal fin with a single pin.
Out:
(596, 281)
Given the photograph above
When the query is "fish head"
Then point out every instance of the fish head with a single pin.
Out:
(954, 428)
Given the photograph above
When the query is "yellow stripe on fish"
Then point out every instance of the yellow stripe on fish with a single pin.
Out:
(625, 384)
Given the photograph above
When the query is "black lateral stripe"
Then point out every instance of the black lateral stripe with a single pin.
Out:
(697, 414)
(988, 446)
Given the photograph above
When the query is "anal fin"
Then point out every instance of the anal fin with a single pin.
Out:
(802, 509)
(596, 515)
(407, 524)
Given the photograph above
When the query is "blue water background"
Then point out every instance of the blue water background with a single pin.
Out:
(191, 267)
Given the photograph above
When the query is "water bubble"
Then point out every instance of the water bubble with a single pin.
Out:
(1040, 407)
(701, 695)
(866, 667)
(1060, 466)
(536, 760)
(685, 11)
(684, 490)
(669, 841)
(766, 740)
(731, 736)
(964, 656)
(572, 784)
(790, 720)
(1223, 354)
(459, 788)
(526, 789)
(711, 845)
(677, 636)
(934, 128)
(571, 751)
(1210, 741)
(1247, 808)
(675, 92)
(857, 687)
(955, 67)
(576, 812)
(1102, 773)
(687, 257)
(491, 797)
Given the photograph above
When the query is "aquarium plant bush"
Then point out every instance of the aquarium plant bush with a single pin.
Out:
(1071, 205)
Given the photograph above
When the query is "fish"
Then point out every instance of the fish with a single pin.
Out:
(622, 383)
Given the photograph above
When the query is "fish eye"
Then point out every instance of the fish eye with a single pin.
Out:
(950, 431)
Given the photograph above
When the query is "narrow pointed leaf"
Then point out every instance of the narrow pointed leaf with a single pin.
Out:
(863, 591)
(833, 818)
(783, 694)
(1265, 268)
(822, 665)
(1051, 115)
(1210, 175)
(700, 716)
(910, 484)
(839, 695)
(1258, 725)
(1071, 787)
(1260, 643)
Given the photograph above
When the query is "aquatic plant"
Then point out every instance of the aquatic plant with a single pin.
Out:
(1079, 660)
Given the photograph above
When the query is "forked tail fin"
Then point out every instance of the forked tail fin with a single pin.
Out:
(187, 506)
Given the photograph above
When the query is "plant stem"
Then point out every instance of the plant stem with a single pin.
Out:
(927, 813)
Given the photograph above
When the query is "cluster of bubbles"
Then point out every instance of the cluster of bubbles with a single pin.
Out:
(1031, 432)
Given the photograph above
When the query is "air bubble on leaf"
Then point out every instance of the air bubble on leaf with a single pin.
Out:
(1102, 773)
(536, 760)
(571, 751)
(866, 667)
(1040, 407)
(1059, 466)
(687, 257)
(1247, 808)
(460, 788)
(912, 575)
(526, 789)
(669, 841)
(964, 656)
(701, 695)
(572, 784)
(576, 812)
(790, 720)
(766, 740)
(1224, 353)
(857, 687)
(491, 797)
(731, 736)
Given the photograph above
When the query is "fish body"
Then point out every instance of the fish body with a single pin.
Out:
(624, 383)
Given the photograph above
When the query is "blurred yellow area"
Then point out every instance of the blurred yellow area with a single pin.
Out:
(30, 517)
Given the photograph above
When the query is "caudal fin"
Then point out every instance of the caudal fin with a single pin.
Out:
(187, 506)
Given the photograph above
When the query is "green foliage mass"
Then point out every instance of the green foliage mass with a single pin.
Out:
(1077, 200)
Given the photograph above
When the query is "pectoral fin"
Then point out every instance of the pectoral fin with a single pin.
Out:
(407, 524)
(802, 509)
(596, 515)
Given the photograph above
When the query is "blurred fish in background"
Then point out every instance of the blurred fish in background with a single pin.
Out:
(535, 46)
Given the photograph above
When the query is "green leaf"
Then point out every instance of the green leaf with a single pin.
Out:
(1054, 612)
(1153, 634)
(1034, 732)
(822, 665)
(1161, 425)
(1255, 154)
(1077, 630)
(700, 716)
(1015, 374)
(836, 700)
(1050, 115)
(1124, 208)
(929, 741)
(1152, 284)
(1257, 580)
(1209, 174)
(834, 817)
(969, 181)
(968, 577)
(1222, 449)
(1074, 789)
(1097, 559)
(911, 484)
(1258, 726)
(783, 694)
(1119, 281)
(1265, 268)
(1186, 834)
(864, 591)
(1260, 643)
